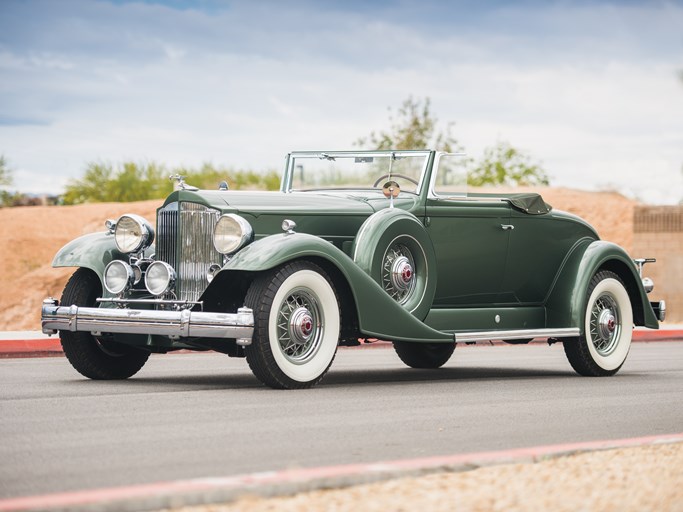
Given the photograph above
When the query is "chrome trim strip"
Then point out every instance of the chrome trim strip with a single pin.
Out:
(517, 334)
(174, 324)
(160, 302)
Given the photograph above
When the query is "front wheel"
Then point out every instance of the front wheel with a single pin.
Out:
(93, 357)
(424, 355)
(608, 328)
(296, 326)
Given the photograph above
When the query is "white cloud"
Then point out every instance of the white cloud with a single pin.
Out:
(589, 90)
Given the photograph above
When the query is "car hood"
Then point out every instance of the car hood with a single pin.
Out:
(257, 203)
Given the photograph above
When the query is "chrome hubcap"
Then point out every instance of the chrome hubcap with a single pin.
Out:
(401, 273)
(605, 327)
(398, 273)
(606, 323)
(300, 326)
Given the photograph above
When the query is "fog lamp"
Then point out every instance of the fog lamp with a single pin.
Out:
(118, 277)
(159, 278)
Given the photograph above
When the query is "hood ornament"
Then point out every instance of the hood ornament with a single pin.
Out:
(180, 183)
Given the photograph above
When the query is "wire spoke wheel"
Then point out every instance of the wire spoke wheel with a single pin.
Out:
(398, 273)
(297, 324)
(395, 250)
(605, 326)
(606, 340)
(300, 326)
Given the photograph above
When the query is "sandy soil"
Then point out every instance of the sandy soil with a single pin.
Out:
(32, 235)
(634, 479)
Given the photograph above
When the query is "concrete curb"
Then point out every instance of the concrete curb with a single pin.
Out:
(203, 491)
(37, 344)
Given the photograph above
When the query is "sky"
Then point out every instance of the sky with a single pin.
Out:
(591, 90)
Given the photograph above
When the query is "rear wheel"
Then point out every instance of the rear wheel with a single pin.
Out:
(296, 326)
(424, 355)
(93, 357)
(608, 328)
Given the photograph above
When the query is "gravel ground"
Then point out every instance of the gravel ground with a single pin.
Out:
(633, 479)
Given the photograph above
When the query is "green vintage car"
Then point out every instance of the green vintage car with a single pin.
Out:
(364, 245)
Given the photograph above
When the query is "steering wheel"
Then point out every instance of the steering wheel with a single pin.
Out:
(394, 175)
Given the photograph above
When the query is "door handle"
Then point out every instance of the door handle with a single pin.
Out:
(507, 227)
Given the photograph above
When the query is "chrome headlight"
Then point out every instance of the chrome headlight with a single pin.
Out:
(133, 233)
(118, 277)
(159, 278)
(231, 233)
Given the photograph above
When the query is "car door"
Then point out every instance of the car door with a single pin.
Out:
(470, 236)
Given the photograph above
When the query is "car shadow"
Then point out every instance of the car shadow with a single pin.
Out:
(356, 378)
(398, 375)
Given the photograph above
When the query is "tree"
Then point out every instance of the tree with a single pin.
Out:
(5, 172)
(503, 164)
(6, 197)
(132, 181)
(129, 182)
(413, 128)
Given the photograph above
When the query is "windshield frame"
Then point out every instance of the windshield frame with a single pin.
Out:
(432, 194)
(287, 178)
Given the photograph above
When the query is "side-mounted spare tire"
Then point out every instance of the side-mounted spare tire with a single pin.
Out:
(394, 249)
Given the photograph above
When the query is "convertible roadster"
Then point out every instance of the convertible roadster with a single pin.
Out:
(364, 245)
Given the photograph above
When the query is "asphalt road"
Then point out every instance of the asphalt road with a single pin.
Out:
(202, 415)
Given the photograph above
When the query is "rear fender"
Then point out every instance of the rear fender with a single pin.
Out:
(565, 306)
(379, 316)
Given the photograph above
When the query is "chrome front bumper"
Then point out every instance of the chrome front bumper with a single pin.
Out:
(174, 324)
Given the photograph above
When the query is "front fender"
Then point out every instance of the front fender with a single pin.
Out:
(566, 304)
(379, 316)
(93, 251)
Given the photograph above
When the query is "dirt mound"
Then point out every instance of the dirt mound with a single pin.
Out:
(32, 235)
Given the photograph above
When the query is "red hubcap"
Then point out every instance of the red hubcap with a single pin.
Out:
(306, 326)
(407, 274)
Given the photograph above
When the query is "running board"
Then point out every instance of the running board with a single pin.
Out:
(517, 334)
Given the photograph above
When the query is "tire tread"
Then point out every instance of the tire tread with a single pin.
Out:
(81, 348)
(424, 355)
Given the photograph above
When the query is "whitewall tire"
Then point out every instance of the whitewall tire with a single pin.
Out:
(608, 328)
(296, 326)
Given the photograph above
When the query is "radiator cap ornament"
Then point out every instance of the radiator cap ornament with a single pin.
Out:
(180, 183)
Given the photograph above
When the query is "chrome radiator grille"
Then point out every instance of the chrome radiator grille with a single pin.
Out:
(185, 241)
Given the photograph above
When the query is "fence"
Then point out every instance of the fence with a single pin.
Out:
(658, 233)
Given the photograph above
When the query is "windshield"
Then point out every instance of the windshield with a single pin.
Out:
(355, 170)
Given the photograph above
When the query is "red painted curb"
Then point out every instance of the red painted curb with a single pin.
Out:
(297, 480)
(658, 335)
(43, 347)
(27, 348)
